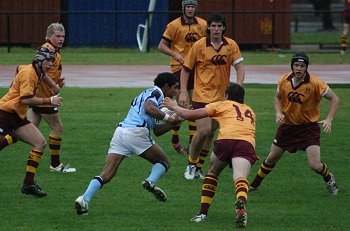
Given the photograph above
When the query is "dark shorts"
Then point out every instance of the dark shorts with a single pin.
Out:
(196, 105)
(225, 150)
(10, 122)
(347, 17)
(190, 83)
(44, 110)
(297, 137)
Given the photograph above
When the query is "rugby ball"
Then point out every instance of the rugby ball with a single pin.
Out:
(166, 111)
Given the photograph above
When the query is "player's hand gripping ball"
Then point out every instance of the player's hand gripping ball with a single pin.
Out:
(166, 111)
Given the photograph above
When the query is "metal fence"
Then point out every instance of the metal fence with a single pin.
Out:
(251, 29)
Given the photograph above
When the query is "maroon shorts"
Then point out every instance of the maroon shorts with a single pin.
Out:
(10, 122)
(297, 137)
(44, 110)
(190, 83)
(347, 17)
(225, 150)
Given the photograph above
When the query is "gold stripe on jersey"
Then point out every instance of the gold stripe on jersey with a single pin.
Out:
(212, 68)
(237, 121)
(182, 36)
(301, 102)
(23, 86)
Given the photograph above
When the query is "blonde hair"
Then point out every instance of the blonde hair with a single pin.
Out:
(54, 26)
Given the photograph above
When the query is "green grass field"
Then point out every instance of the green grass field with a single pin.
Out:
(105, 56)
(291, 198)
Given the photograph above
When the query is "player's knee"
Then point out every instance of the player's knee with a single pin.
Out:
(315, 166)
(204, 132)
(58, 128)
(39, 144)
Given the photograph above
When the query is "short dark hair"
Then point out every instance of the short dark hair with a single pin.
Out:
(216, 17)
(235, 92)
(165, 78)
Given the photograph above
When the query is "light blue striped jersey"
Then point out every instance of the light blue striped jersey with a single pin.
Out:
(137, 116)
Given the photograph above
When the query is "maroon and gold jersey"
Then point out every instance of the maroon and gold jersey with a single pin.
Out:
(44, 91)
(212, 68)
(301, 103)
(23, 86)
(181, 36)
(237, 121)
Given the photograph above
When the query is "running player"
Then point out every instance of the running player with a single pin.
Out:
(49, 113)
(13, 108)
(132, 137)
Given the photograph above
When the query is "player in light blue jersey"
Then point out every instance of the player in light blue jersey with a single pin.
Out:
(132, 137)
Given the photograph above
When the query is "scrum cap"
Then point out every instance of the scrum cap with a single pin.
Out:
(189, 2)
(300, 57)
(44, 53)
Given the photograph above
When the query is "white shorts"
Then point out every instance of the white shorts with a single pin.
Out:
(130, 141)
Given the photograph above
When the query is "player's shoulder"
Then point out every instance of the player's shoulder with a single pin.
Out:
(175, 23)
(313, 79)
(285, 76)
(230, 41)
(49, 45)
(25, 70)
(201, 21)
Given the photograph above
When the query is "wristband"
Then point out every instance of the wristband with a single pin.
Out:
(46, 101)
(166, 117)
(51, 99)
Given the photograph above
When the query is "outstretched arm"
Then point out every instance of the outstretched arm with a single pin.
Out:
(183, 112)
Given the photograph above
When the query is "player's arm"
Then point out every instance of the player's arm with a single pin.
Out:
(54, 87)
(334, 103)
(164, 47)
(54, 100)
(185, 73)
(278, 109)
(240, 73)
(160, 129)
(183, 112)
